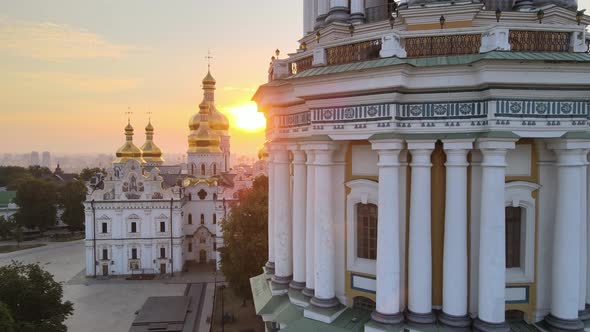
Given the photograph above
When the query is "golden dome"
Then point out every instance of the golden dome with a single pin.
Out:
(128, 151)
(151, 152)
(218, 121)
(209, 79)
(201, 140)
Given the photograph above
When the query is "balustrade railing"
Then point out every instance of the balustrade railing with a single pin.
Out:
(539, 41)
(442, 45)
(367, 50)
(300, 65)
(379, 13)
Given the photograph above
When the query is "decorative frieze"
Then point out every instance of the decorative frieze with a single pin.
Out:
(473, 113)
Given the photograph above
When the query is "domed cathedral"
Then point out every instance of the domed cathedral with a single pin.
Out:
(209, 140)
(428, 168)
(144, 217)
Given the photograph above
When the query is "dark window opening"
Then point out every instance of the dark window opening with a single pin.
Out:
(190, 219)
(134, 253)
(367, 231)
(363, 303)
(104, 228)
(214, 218)
(105, 254)
(162, 226)
(162, 252)
(133, 227)
(513, 236)
(202, 219)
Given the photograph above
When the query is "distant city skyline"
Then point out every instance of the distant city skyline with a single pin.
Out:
(72, 70)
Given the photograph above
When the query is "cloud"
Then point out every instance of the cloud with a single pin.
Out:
(50, 41)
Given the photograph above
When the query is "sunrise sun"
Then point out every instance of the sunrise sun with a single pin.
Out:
(246, 117)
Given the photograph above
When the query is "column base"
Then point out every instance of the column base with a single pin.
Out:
(324, 314)
(387, 319)
(338, 14)
(357, 18)
(454, 321)
(320, 22)
(419, 318)
(324, 303)
(560, 324)
(309, 292)
(298, 299)
(279, 285)
(270, 267)
(584, 315)
(483, 326)
(296, 285)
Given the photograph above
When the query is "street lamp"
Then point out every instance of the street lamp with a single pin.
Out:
(392, 20)
(580, 15)
(442, 21)
(351, 29)
(498, 15)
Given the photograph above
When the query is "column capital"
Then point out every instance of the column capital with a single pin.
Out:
(299, 157)
(425, 145)
(569, 144)
(458, 144)
(387, 144)
(495, 144)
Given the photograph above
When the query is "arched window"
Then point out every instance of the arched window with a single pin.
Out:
(366, 231)
(214, 169)
(203, 169)
(202, 219)
(190, 219)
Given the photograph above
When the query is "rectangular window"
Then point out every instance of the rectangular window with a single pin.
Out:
(190, 247)
(202, 219)
(214, 246)
(134, 253)
(367, 231)
(133, 227)
(104, 228)
(105, 254)
(162, 252)
(214, 219)
(513, 232)
(162, 227)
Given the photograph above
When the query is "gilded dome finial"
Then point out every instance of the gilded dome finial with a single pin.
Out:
(128, 151)
(151, 153)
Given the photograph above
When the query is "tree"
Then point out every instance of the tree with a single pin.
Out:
(37, 200)
(6, 227)
(19, 236)
(71, 197)
(33, 298)
(6, 321)
(245, 238)
(9, 175)
(88, 173)
(39, 172)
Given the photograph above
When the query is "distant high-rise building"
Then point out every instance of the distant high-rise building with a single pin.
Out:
(46, 159)
(34, 158)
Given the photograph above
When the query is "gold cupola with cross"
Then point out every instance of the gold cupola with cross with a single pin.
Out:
(152, 154)
(129, 151)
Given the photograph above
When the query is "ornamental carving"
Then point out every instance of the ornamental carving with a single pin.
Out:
(363, 51)
(328, 114)
(349, 113)
(566, 108)
(515, 107)
(372, 111)
(465, 109)
(440, 109)
(541, 108)
(416, 110)
(539, 41)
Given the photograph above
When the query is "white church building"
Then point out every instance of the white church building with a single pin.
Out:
(146, 218)
(428, 168)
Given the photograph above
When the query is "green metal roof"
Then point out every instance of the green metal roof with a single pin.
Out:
(6, 197)
(446, 60)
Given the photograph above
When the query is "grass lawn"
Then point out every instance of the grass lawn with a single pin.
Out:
(244, 318)
(10, 248)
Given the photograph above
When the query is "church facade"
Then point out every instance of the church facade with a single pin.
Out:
(428, 168)
(144, 217)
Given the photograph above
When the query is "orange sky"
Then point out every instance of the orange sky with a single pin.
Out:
(71, 69)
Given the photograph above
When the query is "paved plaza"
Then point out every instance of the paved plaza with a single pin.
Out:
(106, 305)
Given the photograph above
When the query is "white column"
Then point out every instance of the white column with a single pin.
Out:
(492, 239)
(299, 215)
(587, 233)
(474, 216)
(388, 236)
(420, 254)
(270, 265)
(310, 226)
(454, 311)
(357, 11)
(307, 16)
(325, 291)
(339, 11)
(283, 226)
(323, 9)
(565, 286)
(582, 313)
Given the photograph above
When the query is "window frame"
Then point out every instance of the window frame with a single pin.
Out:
(134, 253)
(134, 227)
(162, 227)
(162, 253)
(369, 206)
(104, 228)
(520, 194)
(365, 192)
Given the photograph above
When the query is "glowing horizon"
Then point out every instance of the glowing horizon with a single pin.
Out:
(69, 76)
